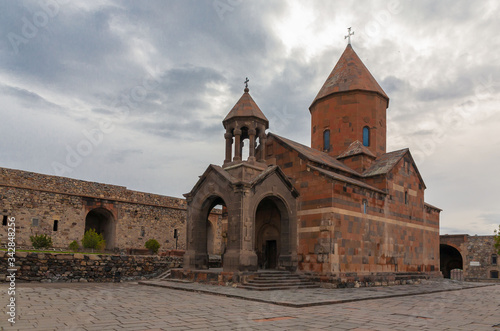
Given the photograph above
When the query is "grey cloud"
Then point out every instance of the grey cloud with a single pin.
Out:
(29, 99)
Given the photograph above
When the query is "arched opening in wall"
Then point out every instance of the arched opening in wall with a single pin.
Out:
(271, 232)
(102, 221)
(216, 232)
(245, 143)
(450, 259)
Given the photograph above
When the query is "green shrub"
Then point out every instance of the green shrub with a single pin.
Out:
(41, 241)
(153, 245)
(74, 246)
(94, 240)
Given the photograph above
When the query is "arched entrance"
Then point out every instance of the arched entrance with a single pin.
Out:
(271, 222)
(450, 259)
(102, 221)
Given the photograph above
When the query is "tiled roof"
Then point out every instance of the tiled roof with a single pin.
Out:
(349, 74)
(315, 155)
(345, 179)
(354, 149)
(384, 163)
(246, 107)
(432, 207)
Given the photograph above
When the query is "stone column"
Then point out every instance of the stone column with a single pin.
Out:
(251, 134)
(237, 145)
(262, 140)
(196, 256)
(229, 145)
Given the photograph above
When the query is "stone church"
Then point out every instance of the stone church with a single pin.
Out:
(343, 206)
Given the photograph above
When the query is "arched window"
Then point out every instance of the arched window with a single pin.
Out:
(366, 136)
(365, 206)
(326, 140)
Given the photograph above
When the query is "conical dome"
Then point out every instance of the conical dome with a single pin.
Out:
(246, 108)
(349, 74)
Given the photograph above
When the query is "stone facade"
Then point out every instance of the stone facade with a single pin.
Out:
(343, 209)
(64, 208)
(475, 255)
(53, 267)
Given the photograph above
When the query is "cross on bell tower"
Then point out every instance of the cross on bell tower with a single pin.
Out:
(349, 34)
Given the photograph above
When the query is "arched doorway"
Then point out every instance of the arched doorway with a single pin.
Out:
(450, 259)
(270, 222)
(102, 221)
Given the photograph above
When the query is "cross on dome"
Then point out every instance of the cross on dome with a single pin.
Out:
(349, 34)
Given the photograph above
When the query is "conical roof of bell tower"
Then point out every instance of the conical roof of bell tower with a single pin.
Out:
(349, 74)
(246, 108)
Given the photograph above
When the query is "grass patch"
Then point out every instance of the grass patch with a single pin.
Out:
(51, 251)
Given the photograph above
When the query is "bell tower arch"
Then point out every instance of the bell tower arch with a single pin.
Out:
(244, 124)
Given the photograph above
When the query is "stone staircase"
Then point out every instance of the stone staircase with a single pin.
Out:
(277, 280)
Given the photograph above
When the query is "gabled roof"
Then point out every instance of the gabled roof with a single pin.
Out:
(246, 107)
(349, 74)
(345, 179)
(354, 149)
(275, 169)
(225, 176)
(314, 155)
(386, 162)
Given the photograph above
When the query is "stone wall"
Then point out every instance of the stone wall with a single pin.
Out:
(54, 267)
(59, 206)
(337, 236)
(478, 258)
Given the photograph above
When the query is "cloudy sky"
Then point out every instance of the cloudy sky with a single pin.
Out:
(133, 93)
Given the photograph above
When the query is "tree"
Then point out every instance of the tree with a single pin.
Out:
(94, 240)
(153, 245)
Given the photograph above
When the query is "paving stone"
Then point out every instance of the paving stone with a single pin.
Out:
(137, 307)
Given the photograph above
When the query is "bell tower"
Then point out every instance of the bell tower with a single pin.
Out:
(350, 106)
(244, 122)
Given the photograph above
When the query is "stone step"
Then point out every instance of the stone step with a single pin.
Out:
(277, 280)
(271, 281)
(279, 285)
(259, 288)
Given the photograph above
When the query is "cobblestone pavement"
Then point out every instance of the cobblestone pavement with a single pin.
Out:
(131, 306)
(317, 297)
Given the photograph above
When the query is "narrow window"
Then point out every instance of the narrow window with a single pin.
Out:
(494, 260)
(56, 225)
(34, 222)
(4, 221)
(493, 274)
(365, 206)
(143, 231)
(326, 140)
(406, 197)
(366, 136)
